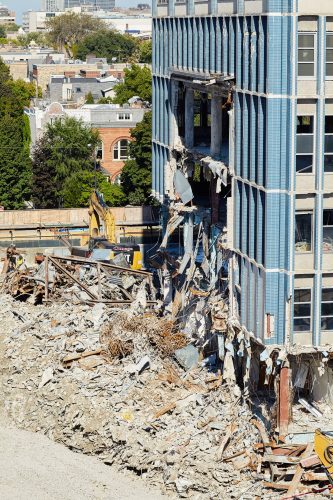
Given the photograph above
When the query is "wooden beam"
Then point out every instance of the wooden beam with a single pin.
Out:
(299, 472)
(284, 401)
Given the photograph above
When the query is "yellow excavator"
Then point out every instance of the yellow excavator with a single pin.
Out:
(323, 445)
(102, 234)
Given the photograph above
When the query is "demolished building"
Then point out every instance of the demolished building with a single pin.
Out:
(242, 126)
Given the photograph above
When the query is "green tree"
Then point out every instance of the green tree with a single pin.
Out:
(136, 174)
(79, 186)
(15, 164)
(67, 147)
(68, 30)
(89, 99)
(38, 38)
(25, 91)
(137, 82)
(145, 52)
(109, 44)
(105, 100)
(12, 28)
(44, 194)
(3, 32)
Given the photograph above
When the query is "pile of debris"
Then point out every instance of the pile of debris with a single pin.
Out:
(135, 407)
(105, 382)
(80, 280)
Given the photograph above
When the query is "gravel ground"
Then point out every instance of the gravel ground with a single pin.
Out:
(31, 466)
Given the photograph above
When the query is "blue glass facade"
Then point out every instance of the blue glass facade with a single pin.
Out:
(255, 44)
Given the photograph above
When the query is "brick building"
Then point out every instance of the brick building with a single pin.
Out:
(113, 122)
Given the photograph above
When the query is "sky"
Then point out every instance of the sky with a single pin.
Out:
(20, 6)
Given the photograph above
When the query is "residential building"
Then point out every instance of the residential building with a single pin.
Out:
(35, 21)
(52, 5)
(21, 61)
(7, 16)
(74, 88)
(43, 72)
(114, 123)
(244, 89)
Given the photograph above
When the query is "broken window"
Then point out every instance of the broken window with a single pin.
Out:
(302, 310)
(306, 54)
(303, 232)
(304, 152)
(120, 150)
(328, 230)
(329, 55)
(328, 164)
(327, 309)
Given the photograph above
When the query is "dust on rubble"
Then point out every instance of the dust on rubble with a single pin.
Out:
(133, 407)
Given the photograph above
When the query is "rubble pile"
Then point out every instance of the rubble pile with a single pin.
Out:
(78, 279)
(138, 410)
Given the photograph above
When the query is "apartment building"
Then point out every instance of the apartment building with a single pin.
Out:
(113, 122)
(243, 96)
(7, 16)
(74, 88)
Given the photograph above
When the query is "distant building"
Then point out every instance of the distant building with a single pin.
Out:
(7, 16)
(52, 5)
(74, 88)
(43, 72)
(97, 4)
(137, 24)
(113, 122)
(21, 61)
(35, 21)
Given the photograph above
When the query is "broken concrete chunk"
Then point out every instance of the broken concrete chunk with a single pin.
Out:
(187, 357)
(46, 377)
(139, 367)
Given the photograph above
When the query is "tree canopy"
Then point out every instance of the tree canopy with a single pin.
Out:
(68, 30)
(15, 164)
(89, 98)
(107, 43)
(64, 167)
(137, 82)
(26, 39)
(136, 174)
(79, 186)
(25, 91)
(145, 52)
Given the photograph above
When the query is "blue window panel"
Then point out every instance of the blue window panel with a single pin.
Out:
(245, 137)
(190, 44)
(272, 230)
(219, 43)
(245, 53)
(239, 52)
(174, 43)
(195, 43)
(212, 51)
(232, 44)
(206, 38)
(254, 52)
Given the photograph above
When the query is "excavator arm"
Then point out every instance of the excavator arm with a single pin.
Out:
(101, 215)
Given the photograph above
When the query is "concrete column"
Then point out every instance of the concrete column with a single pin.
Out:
(189, 117)
(216, 126)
